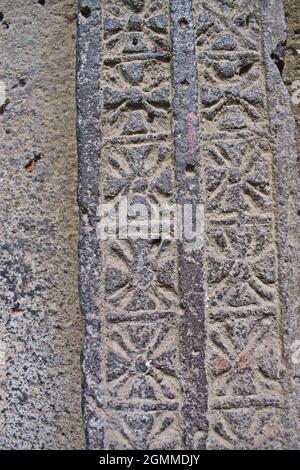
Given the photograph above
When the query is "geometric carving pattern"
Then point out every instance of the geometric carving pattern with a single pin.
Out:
(141, 300)
(145, 174)
(141, 275)
(243, 321)
(189, 350)
(246, 428)
(140, 430)
(142, 362)
(241, 264)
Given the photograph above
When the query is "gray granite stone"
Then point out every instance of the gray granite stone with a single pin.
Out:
(41, 328)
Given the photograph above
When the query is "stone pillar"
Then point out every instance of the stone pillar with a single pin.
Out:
(188, 346)
(41, 328)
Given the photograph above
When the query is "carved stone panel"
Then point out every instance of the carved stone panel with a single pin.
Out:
(184, 343)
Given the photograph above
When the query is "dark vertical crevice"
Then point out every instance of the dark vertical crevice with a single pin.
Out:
(189, 192)
(88, 137)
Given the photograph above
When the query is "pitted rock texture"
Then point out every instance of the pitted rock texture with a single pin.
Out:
(291, 70)
(40, 324)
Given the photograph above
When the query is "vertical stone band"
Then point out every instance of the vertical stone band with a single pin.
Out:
(244, 361)
(141, 304)
(183, 344)
(89, 198)
(189, 191)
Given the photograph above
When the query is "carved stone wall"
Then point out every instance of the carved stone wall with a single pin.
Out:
(187, 348)
(180, 103)
(244, 363)
(137, 310)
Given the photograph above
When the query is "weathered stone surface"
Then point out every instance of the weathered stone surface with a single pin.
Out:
(40, 324)
(291, 69)
(202, 359)
(131, 357)
(180, 101)
(290, 200)
(244, 362)
(287, 199)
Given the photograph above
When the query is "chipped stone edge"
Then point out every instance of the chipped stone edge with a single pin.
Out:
(287, 184)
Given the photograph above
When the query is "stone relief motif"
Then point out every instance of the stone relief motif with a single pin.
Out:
(141, 275)
(244, 350)
(142, 430)
(137, 65)
(238, 176)
(143, 173)
(246, 428)
(241, 265)
(149, 355)
(142, 358)
(142, 362)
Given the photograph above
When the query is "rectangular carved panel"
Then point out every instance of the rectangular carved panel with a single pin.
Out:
(184, 343)
(141, 358)
(145, 385)
(244, 363)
